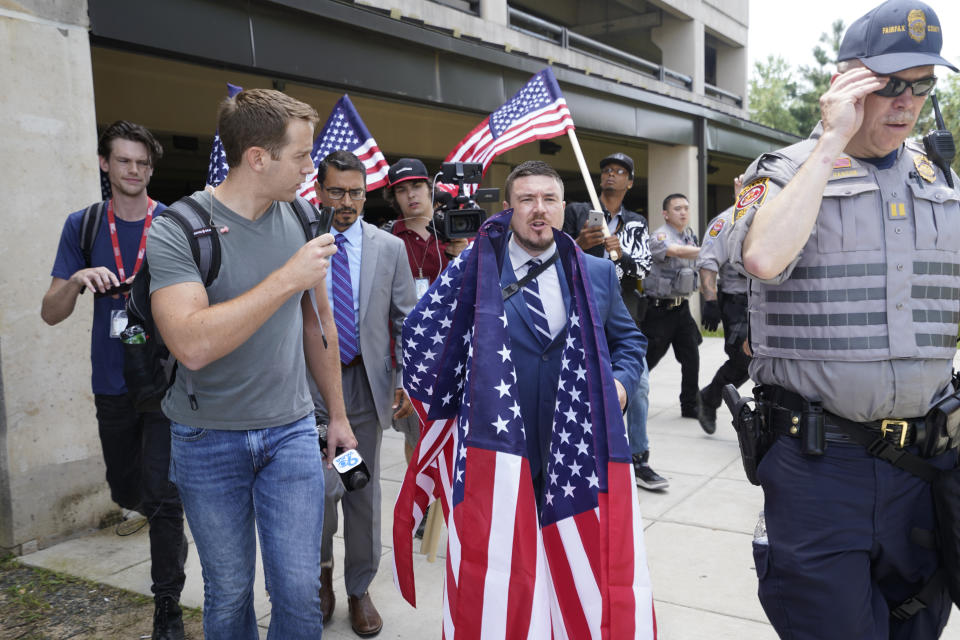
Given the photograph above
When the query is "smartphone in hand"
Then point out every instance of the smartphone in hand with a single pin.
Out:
(123, 287)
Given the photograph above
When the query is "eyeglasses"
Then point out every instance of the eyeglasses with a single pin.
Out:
(896, 86)
(617, 170)
(336, 193)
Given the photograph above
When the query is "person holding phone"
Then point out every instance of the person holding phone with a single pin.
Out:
(629, 237)
(136, 446)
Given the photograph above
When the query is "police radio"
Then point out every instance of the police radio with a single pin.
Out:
(939, 143)
(348, 463)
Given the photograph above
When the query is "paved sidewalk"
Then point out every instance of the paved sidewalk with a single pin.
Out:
(698, 537)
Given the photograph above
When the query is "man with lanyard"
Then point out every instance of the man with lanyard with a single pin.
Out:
(671, 281)
(408, 192)
(850, 240)
(724, 291)
(629, 237)
(136, 446)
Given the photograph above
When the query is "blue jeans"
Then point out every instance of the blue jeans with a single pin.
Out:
(231, 480)
(637, 414)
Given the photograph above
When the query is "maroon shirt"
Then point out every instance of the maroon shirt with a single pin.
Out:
(427, 257)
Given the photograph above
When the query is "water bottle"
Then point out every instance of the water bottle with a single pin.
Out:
(134, 334)
(760, 532)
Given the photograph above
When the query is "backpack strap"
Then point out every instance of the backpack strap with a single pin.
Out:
(201, 234)
(89, 227)
(308, 216)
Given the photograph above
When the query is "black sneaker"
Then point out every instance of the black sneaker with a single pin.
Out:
(706, 415)
(647, 478)
(167, 620)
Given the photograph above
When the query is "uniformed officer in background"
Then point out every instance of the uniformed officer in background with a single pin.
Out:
(724, 291)
(668, 286)
(853, 240)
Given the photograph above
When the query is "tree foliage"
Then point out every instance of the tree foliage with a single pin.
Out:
(788, 99)
(772, 92)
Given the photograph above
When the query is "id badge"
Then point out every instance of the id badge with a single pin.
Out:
(422, 285)
(118, 322)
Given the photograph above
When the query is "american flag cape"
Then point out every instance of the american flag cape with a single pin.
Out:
(537, 112)
(579, 570)
(217, 169)
(345, 130)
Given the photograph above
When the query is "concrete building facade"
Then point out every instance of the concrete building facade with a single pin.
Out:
(664, 81)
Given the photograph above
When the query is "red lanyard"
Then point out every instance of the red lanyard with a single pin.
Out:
(115, 241)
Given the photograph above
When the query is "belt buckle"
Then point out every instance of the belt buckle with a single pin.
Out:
(886, 428)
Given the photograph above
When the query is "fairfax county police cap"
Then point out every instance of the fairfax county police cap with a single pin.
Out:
(897, 35)
(619, 158)
(406, 169)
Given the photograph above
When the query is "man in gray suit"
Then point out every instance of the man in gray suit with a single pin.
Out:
(371, 290)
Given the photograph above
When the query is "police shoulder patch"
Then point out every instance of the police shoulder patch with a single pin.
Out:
(751, 195)
(716, 228)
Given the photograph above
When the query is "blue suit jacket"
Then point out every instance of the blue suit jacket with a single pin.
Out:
(538, 366)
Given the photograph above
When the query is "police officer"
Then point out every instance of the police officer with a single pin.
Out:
(724, 290)
(672, 279)
(629, 237)
(852, 238)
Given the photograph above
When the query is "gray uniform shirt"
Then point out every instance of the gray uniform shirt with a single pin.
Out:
(713, 255)
(260, 383)
(913, 218)
(671, 277)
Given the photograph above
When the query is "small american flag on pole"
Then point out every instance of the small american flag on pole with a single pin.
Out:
(576, 570)
(218, 168)
(345, 130)
(538, 111)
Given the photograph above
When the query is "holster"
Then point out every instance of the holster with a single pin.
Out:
(752, 435)
(946, 498)
(941, 427)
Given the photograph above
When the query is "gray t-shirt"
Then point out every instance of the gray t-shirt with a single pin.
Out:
(260, 383)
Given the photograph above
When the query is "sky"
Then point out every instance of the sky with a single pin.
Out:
(806, 20)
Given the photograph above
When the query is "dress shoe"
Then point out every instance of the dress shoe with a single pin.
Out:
(327, 599)
(364, 618)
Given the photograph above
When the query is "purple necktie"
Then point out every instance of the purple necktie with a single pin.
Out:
(343, 313)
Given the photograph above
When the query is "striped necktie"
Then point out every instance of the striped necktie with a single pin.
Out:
(531, 294)
(343, 313)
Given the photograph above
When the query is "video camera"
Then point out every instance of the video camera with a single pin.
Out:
(461, 216)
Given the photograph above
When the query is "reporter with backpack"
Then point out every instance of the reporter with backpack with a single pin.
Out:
(101, 250)
(244, 448)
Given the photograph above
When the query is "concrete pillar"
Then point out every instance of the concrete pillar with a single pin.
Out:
(494, 11)
(683, 46)
(51, 470)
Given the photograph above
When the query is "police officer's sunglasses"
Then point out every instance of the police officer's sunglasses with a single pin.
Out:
(896, 86)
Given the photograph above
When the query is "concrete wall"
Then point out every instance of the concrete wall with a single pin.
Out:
(51, 474)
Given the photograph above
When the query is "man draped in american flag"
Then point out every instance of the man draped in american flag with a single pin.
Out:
(521, 397)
